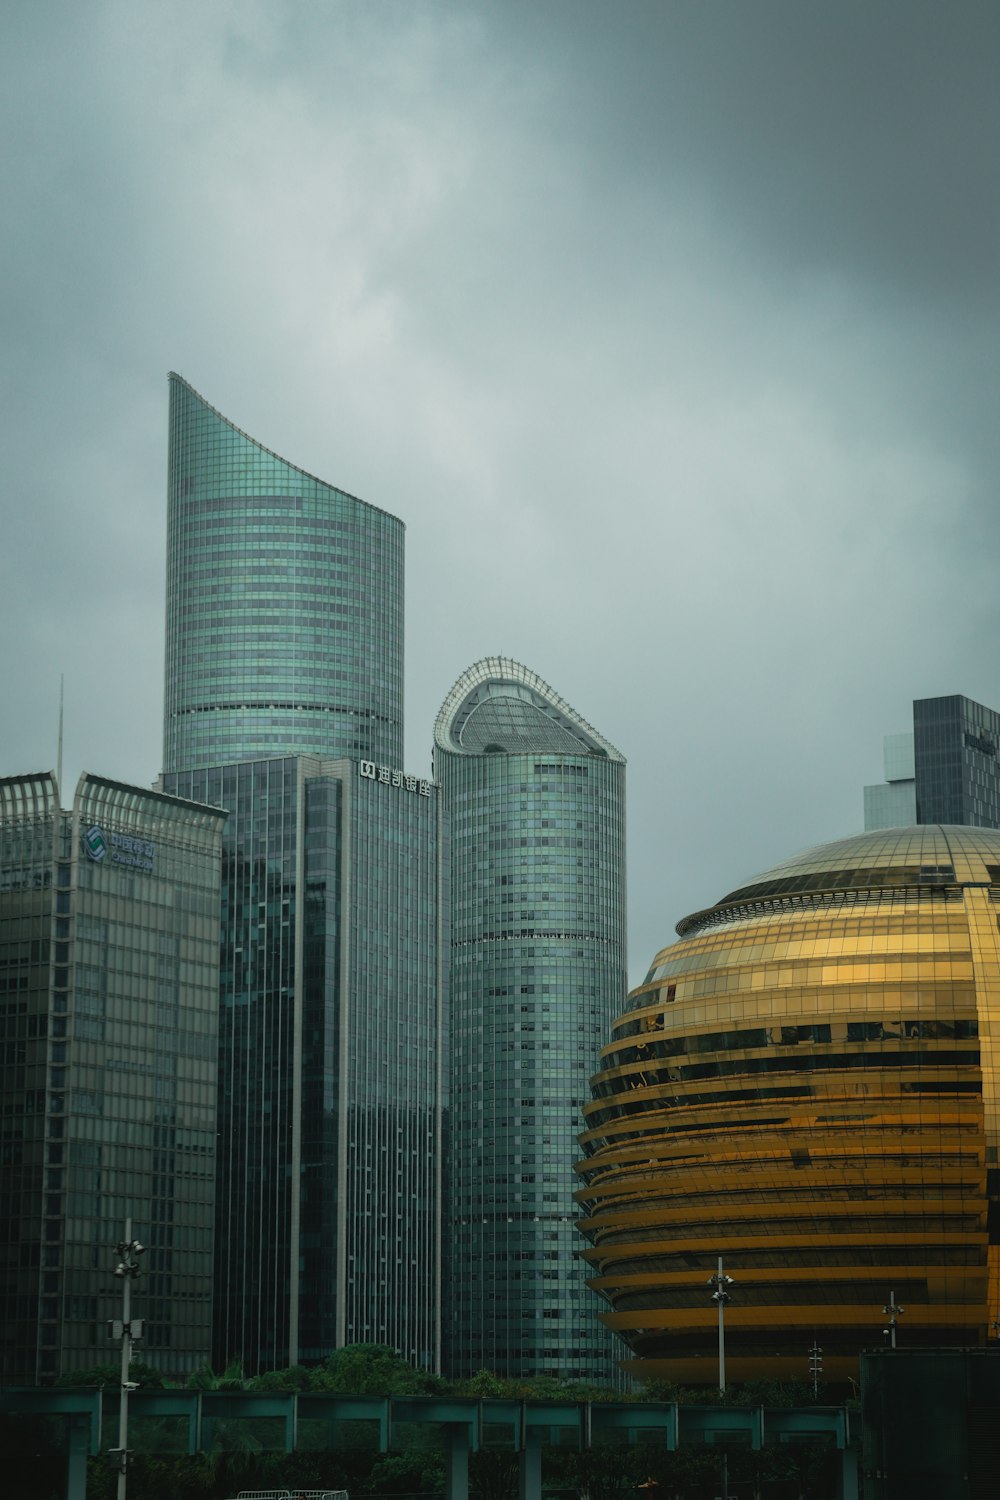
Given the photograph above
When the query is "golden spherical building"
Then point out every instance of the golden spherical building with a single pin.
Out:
(806, 1084)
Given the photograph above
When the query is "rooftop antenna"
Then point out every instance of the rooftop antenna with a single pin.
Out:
(62, 679)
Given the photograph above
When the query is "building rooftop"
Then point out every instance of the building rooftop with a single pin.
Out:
(499, 707)
(928, 855)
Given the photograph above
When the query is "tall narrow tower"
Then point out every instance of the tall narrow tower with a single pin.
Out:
(536, 803)
(284, 605)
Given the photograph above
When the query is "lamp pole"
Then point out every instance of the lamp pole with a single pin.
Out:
(127, 1328)
(893, 1312)
(720, 1284)
(815, 1365)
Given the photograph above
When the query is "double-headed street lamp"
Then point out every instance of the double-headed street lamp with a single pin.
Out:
(127, 1329)
(893, 1312)
(720, 1284)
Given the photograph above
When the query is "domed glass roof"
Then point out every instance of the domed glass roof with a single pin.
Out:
(926, 855)
(968, 851)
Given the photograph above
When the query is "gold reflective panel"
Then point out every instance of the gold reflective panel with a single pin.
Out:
(806, 1084)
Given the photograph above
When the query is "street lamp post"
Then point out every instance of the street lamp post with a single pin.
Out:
(127, 1329)
(720, 1284)
(815, 1365)
(893, 1312)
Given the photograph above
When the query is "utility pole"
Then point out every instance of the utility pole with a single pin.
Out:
(127, 1329)
(893, 1312)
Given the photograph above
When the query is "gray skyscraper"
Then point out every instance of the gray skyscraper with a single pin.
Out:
(283, 706)
(947, 771)
(535, 799)
(109, 973)
(328, 1223)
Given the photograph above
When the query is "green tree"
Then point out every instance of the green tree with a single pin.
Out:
(372, 1370)
(493, 1474)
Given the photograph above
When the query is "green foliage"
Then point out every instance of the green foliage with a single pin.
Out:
(111, 1374)
(372, 1370)
(488, 1386)
(608, 1472)
(414, 1471)
(241, 1457)
(493, 1474)
(777, 1393)
(296, 1378)
(204, 1378)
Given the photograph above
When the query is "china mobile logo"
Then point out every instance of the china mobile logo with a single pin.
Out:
(93, 842)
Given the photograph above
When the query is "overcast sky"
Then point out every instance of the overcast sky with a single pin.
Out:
(669, 329)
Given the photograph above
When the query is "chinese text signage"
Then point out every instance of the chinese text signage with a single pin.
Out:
(390, 777)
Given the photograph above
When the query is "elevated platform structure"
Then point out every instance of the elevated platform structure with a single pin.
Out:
(205, 1421)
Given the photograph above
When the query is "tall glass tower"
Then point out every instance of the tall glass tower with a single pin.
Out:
(284, 706)
(535, 798)
(330, 1059)
(284, 605)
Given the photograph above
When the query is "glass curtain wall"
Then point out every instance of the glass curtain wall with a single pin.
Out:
(110, 964)
(328, 1226)
(535, 802)
(284, 605)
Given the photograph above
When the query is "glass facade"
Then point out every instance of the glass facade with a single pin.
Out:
(535, 800)
(284, 605)
(892, 805)
(807, 1084)
(109, 967)
(946, 771)
(955, 748)
(330, 1060)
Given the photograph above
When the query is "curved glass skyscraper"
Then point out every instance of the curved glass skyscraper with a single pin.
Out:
(536, 802)
(284, 706)
(284, 605)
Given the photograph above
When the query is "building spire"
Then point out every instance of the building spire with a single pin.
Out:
(59, 754)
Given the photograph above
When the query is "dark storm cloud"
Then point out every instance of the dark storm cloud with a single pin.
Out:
(855, 134)
(669, 330)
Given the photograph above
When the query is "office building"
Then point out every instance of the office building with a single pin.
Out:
(535, 799)
(804, 1084)
(109, 973)
(893, 803)
(284, 606)
(330, 1037)
(946, 771)
(284, 706)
